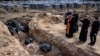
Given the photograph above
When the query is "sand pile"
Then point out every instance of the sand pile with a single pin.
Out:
(50, 18)
(18, 8)
(13, 9)
(3, 11)
(32, 48)
(9, 45)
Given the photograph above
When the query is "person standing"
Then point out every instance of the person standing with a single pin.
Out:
(75, 18)
(66, 16)
(84, 29)
(69, 26)
(94, 31)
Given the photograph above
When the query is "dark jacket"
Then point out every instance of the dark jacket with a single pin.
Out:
(95, 27)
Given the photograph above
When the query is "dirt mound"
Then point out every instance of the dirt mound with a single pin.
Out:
(13, 9)
(22, 20)
(32, 48)
(18, 8)
(50, 18)
(9, 45)
(3, 11)
(44, 14)
(46, 32)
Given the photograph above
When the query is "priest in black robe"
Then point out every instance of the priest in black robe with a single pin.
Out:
(94, 31)
(75, 19)
(84, 29)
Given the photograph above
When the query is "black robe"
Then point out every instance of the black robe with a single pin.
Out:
(84, 30)
(95, 27)
(94, 31)
(75, 19)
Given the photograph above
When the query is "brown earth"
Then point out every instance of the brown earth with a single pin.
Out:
(45, 31)
(46, 27)
(9, 45)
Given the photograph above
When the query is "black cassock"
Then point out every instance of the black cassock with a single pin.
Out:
(94, 32)
(84, 30)
(75, 19)
(95, 27)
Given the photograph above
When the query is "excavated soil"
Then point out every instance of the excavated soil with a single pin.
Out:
(32, 48)
(45, 27)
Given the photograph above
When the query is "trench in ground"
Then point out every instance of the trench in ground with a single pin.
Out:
(32, 48)
(59, 48)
